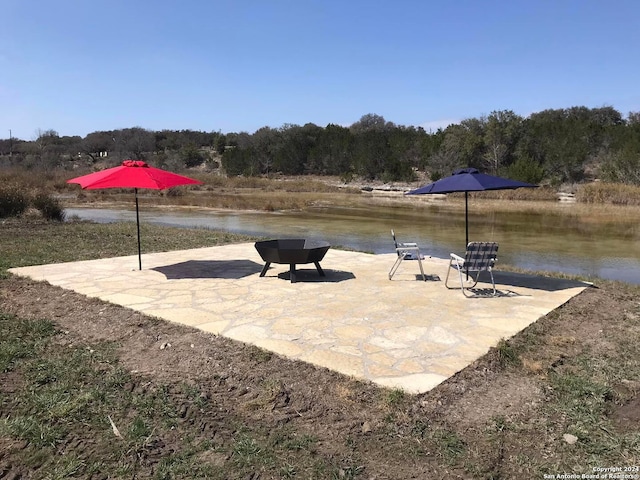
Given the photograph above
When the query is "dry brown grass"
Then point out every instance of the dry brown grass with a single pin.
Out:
(596, 202)
(281, 200)
(522, 194)
(214, 182)
(32, 181)
(586, 213)
(608, 193)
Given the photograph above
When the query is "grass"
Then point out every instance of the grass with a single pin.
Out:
(541, 194)
(507, 354)
(584, 382)
(66, 387)
(57, 396)
(72, 241)
(62, 387)
(608, 193)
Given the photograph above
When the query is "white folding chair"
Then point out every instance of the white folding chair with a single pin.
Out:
(406, 251)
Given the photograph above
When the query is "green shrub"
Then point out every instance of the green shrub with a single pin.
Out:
(526, 170)
(13, 202)
(192, 156)
(49, 207)
(174, 192)
(436, 175)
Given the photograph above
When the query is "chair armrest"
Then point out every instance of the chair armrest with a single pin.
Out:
(457, 258)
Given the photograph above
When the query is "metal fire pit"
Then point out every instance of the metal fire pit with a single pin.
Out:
(292, 251)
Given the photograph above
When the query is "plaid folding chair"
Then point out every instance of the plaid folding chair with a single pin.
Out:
(479, 257)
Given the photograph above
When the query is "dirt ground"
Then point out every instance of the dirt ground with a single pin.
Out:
(352, 421)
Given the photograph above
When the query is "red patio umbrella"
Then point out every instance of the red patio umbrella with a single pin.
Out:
(133, 174)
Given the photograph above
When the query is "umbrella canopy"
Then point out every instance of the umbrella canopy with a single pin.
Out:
(133, 174)
(469, 180)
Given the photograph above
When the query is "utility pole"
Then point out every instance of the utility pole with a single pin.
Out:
(10, 144)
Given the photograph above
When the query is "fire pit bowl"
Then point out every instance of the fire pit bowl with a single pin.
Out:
(292, 251)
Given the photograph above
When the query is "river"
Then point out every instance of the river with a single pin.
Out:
(532, 241)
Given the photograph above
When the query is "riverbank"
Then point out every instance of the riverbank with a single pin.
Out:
(597, 202)
(587, 240)
(292, 193)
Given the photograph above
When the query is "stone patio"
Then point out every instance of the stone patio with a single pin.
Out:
(401, 333)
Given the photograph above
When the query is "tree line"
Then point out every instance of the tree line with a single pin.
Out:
(555, 146)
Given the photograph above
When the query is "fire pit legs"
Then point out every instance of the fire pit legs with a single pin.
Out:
(292, 252)
(264, 269)
(292, 272)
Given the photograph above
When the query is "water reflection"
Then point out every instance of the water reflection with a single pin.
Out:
(529, 240)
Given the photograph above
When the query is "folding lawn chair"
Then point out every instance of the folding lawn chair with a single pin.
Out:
(406, 251)
(479, 257)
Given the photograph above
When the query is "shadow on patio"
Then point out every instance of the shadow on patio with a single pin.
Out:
(209, 269)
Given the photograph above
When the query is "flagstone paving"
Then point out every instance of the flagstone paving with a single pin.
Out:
(400, 333)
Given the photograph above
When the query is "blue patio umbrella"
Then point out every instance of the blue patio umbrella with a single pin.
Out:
(469, 180)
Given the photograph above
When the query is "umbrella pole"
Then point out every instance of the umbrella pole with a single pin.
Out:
(466, 224)
(466, 219)
(138, 226)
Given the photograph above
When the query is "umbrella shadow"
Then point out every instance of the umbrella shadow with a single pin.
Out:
(523, 280)
(231, 269)
(535, 282)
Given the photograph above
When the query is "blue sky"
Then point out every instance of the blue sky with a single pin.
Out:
(78, 66)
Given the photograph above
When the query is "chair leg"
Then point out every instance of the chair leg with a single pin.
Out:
(493, 282)
(446, 280)
(462, 283)
(451, 266)
(395, 266)
(424, 277)
(399, 260)
(462, 280)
